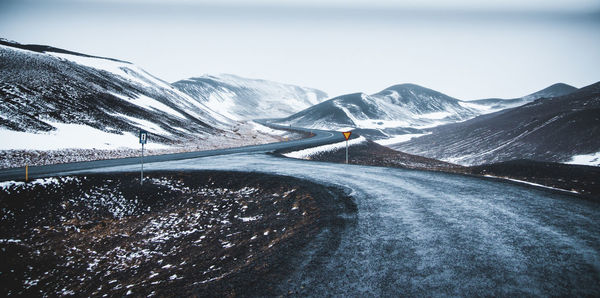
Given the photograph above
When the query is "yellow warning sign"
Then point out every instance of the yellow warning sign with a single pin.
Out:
(347, 134)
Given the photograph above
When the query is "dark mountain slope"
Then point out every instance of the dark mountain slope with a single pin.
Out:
(496, 104)
(553, 129)
(46, 49)
(39, 89)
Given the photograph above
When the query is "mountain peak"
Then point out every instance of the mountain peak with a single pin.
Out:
(407, 86)
(554, 90)
(44, 49)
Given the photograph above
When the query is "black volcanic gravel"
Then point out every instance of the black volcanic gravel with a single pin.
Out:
(190, 233)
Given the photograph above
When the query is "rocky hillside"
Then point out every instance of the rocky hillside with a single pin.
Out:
(548, 129)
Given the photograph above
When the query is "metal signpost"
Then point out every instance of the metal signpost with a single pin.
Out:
(347, 136)
(143, 140)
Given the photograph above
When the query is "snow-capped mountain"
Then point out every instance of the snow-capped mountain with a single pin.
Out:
(490, 105)
(45, 89)
(559, 129)
(247, 99)
(404, 111)
(53, 99)
(398, 109)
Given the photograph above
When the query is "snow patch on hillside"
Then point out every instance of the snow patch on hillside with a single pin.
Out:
(147, 125)
(380, 123)
(480, 108)
(434, 115)
(123, 69)
(267, 130)
(307, 153)
(149, 103)
(247, 99)
(592, 159)
(400, 138)
(69, 136)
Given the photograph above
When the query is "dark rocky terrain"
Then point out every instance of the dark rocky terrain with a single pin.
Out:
(180, 234)
(584, 180)
(38, 88)
(548, 129)
(495, 104)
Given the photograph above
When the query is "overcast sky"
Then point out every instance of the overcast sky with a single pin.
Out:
(467, 49)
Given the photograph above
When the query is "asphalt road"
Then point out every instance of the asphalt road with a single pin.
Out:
(419, 233)
(320, 137)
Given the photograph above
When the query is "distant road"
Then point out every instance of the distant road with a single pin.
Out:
(320, 137)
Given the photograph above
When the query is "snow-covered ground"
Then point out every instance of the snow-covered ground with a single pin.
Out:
(178, 233)
(82, 143)
(267, 130)
(307, 153)
(244, 99)
(73, 136)
(400, 139)
(592, 159)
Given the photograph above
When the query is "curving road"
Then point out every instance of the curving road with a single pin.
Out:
(421, 233)
(320, 137)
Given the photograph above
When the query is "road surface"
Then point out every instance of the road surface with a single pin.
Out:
(419, 233)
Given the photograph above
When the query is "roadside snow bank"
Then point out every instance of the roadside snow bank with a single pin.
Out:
(267, 130)
(68, 135)
(592, 159)
(307, 153)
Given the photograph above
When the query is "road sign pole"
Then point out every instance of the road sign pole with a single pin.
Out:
(347, 137)
(346, 151)
(142, 172)
(143, 140)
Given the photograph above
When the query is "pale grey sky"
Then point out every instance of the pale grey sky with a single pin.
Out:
(467, 49)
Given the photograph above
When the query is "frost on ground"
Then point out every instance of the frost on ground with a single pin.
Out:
(245, 134)
(180, 234)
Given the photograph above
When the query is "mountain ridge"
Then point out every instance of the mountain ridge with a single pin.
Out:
(56, 99)
(247, 99)
(546, 129)
(404, 108)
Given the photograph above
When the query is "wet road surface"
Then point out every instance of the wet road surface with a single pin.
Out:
(430, 233)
